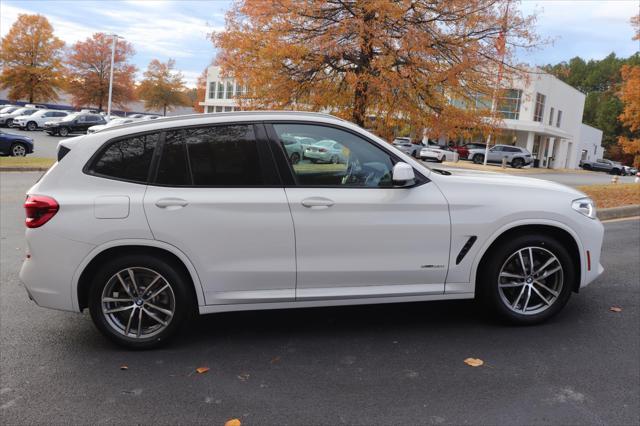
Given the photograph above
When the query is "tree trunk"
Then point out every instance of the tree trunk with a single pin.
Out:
(363, 71)
(360, 103)
(164, 110)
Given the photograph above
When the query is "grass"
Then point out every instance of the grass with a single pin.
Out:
(613, 195)
(26, 162)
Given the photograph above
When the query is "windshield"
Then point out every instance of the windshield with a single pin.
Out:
(116, 122)
(326, 143)
(7, 110)
(23, 111)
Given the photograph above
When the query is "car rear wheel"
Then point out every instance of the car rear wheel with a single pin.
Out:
(32, 125)
(140, 301)
(478, 159)
(295, 158)
(517, 163)
(64, 131)
(334, 159)
(527, 279)
(18, 150)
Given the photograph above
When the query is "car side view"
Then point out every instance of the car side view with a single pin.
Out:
(146, 223)
(515, 156)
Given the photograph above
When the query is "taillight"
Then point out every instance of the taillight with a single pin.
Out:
(322, 150)
(39, 210)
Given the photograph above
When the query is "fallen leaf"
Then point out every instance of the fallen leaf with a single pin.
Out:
(201, 370)
(124, 367)
(474, 362)
(275, 360)
(615, 309)
(232, 422)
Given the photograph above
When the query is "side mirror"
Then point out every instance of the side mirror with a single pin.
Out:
(402, 173)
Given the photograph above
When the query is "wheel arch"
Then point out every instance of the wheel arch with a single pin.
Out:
(557, 230)
(82, 276)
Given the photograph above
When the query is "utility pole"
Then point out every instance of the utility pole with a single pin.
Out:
(501, 46)
(113, 55)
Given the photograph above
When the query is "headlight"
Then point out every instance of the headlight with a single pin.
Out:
(585, 206)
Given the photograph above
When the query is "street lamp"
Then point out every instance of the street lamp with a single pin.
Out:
(113, 54)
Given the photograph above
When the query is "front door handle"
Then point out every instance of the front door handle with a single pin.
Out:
(317, 203)
(171, 203)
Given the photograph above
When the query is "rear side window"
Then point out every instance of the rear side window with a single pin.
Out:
(211, 156)
(127, 159)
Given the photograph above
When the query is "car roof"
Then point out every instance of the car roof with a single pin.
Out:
(195, 119)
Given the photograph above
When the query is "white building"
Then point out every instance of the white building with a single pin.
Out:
(221, 92)
(544, 115)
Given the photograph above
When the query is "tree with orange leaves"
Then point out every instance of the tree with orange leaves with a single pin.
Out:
(201, 91)
(630, 97)
(163, 87)
(31, 59)
(90, 66)
(375, 62)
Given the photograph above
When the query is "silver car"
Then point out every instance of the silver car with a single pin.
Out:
(326, 151)
(515, 155)
(405, 145)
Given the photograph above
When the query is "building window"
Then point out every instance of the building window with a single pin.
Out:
(212, 90)
(509, 104)
(218, 109)
(228, 109)
(538, 113)
(229, 94)
(209, 109)
(559, 119)
(551, 117)
(220, 90)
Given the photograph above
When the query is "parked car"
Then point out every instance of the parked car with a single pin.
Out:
(463, 150)
(111, 123)
(135, 115)
(148, 223)
(37, 106)
(38, 118)
(630, 171)
(6, 119)
(516, 156)
(73, 123)
(151, 117)
(603, 165)
(15, 145)
(326, 151)
(435, 152)
(294, 149)
(405, 145)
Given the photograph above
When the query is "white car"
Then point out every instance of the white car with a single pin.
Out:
(38, 118)
(111, 123)
(438, 153)
(147, 223)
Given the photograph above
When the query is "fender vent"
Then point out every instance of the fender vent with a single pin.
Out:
(465, 248)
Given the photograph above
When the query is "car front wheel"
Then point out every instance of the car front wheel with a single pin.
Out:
(517, 163)
(18, 150)
(140, 301)
(32, 125)
(64, 131)
(527, 279)
(478, 159)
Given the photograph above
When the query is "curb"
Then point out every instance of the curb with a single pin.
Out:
(23, 169)
(618, 212)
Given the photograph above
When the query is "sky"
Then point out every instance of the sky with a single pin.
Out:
(179, 29)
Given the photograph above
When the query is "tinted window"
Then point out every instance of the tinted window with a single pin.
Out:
(339, 158)
(511, 149)
(127, 159)
(215, 156)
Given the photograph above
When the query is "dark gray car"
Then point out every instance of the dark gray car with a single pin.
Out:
(602, 165)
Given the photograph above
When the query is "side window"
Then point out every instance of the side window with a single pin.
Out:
(325, 156)
(82, 119)
(211, 156)
(127, 159)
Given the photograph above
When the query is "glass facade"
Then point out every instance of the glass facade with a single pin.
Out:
(538, 113)
(509, 104)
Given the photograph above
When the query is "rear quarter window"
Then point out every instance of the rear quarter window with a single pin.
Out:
(126, 159)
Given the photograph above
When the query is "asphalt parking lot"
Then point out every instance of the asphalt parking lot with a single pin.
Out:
(393, 364)
(45, 146)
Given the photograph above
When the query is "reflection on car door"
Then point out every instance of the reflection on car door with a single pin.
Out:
(218, 199)
(358, 236)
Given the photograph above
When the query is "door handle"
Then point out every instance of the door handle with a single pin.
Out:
(317, 203)
(171, 203)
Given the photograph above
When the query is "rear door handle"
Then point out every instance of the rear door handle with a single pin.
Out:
(317, 203)
(171, 203)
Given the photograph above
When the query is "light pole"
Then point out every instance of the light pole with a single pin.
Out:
(113, 55)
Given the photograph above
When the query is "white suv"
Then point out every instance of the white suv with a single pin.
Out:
(38, 118)
(149, 222)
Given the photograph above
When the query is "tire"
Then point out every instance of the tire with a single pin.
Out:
(334, 159)
(18, 150)
(501, 293)
(414, 154)
(63, 131)
(9, 122)
(517, 163)
(615, 172)
(478, 159)
(177, 298)
(295, 158)
(32, 125)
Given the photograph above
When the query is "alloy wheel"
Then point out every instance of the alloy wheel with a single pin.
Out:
(64, 131)
(18, 150)
(138, 302)
(32, 126)
(530, 281)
